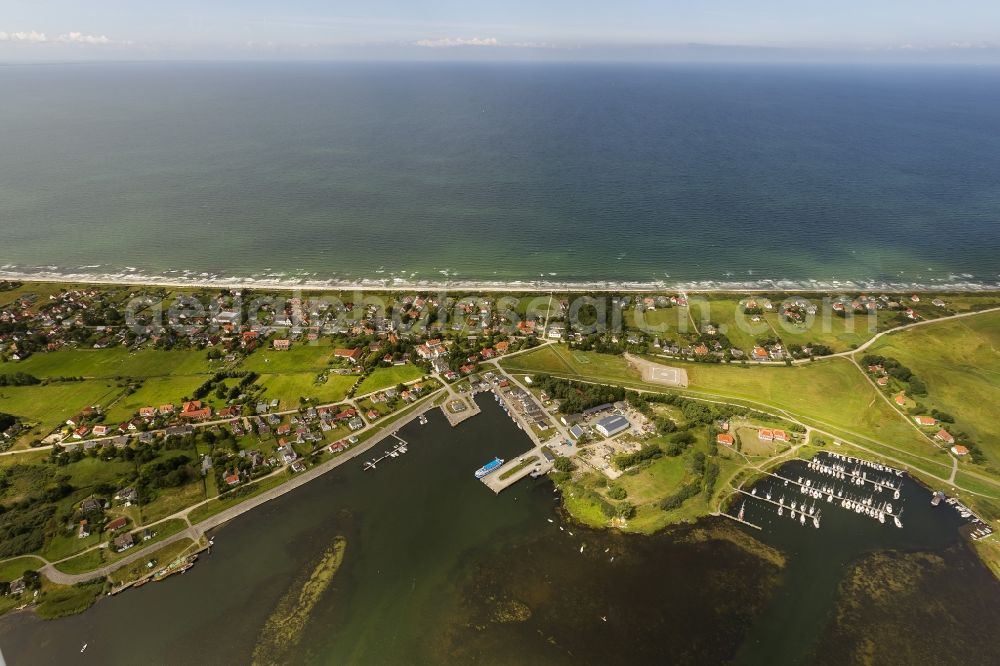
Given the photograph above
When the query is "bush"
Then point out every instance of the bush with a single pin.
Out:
(563, 464)
(677, 499)
(19, 379)
(711, 476)
(616, 492)
(625, 460)
(625, 510)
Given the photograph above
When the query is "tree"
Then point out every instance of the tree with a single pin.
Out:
(563, 464)
(616, 492)
(625, 510)
(32, 580)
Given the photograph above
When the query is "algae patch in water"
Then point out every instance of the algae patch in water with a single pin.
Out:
(914, 607)
(716, 531)
(510, 610)
(284, 627)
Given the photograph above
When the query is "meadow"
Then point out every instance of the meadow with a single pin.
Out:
(824, 393)
(383, 378)
(113, 362)
(959, 361)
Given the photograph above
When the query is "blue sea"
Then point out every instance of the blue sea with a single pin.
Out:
(529, 173)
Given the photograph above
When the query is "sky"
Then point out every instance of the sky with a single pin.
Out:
(878, 30)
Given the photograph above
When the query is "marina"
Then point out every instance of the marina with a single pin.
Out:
(858, 486)
(394, 452)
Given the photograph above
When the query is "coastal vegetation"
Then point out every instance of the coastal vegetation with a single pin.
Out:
(283, 629)
(67, 498)
(898, 607)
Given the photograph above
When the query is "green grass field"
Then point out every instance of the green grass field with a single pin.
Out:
(51, 405)
(383, 378)
(153, 393)
(653, 481)
(302, 357)
(91, 471)
(959, 361)
(287, 388)
(825, 393)
(113, 362)
(62, 600)
(171, 500)
(15, 568)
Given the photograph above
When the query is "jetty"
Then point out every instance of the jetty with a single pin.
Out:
(533, 462)
(394, 452)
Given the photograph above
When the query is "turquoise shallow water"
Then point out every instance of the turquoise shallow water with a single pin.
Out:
(502, 172)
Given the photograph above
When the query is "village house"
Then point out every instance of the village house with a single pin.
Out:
(123, 542)
(84, 530)
(282, 345)
(944, 436)
(352, 355)
(725, 438)
(116, 524)
(18, 586)
(960, 450)
(925, 420)
(287, 453)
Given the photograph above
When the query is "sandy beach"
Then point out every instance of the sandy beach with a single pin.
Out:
(498, 286)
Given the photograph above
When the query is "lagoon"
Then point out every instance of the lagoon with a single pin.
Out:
(438, 569)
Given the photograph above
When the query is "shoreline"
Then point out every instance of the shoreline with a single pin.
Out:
(499, 286)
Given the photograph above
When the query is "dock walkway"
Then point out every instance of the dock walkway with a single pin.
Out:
(541, 465)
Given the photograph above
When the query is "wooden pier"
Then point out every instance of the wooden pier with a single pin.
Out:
(740, 520)
(396, 451)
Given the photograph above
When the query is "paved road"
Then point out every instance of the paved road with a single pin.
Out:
(195, 532)
(773, 411)
(353, 402)
(875, 338)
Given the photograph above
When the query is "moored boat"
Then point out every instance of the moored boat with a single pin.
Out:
(489, 467)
